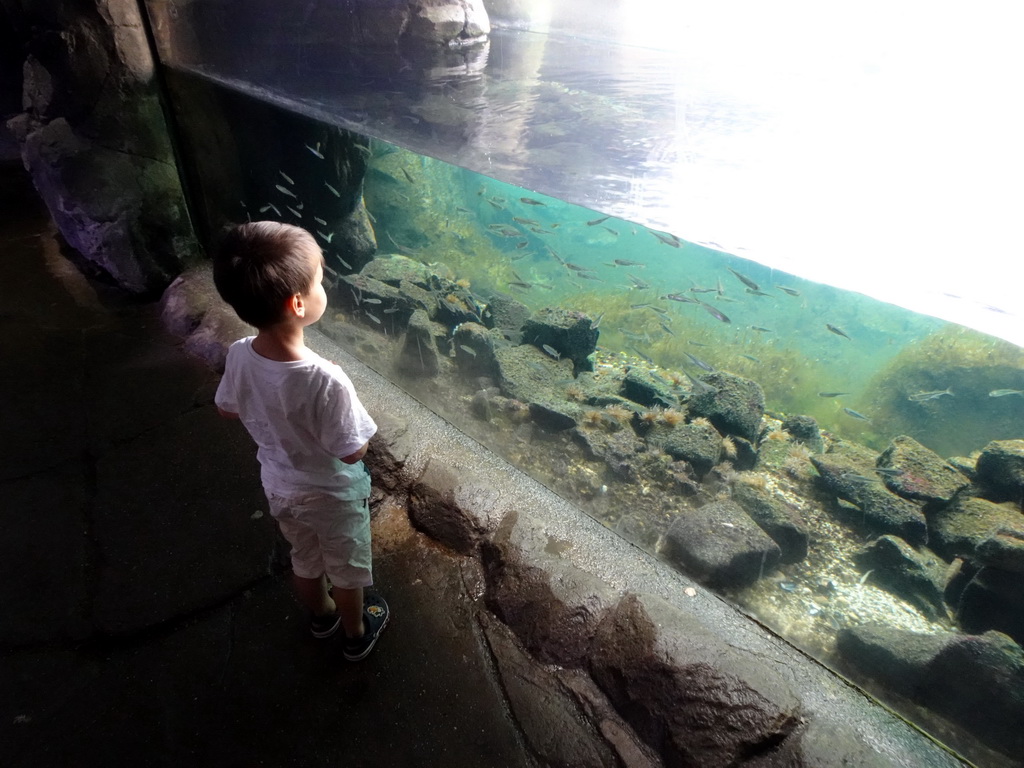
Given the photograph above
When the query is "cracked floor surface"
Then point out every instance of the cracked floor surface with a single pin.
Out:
(147, 618)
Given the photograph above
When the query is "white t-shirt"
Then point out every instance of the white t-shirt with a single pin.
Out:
(304, 416)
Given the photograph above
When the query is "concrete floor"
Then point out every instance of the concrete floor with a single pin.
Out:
(147, 619)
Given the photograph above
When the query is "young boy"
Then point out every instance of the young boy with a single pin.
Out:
(311, 429)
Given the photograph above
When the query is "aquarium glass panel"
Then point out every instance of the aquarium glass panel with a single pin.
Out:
(845, 470)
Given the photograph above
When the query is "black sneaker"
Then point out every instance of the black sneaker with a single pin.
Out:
(324, 626)
(375, 618)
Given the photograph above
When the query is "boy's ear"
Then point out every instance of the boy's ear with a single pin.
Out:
(295, 305)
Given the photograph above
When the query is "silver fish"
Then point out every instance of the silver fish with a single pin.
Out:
(316, 152)
(699, 363)
(920, 397)
(854, 414)
(745, 280)
(285, 190)
(287, 178)
(551, 351)
(1005, 392)
(296, 213)
(335, 192)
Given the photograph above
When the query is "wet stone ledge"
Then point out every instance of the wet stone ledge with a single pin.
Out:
(624, 660)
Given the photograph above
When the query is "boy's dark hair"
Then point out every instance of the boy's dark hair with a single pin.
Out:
(259, 265)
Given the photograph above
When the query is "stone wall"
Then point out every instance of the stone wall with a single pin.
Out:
(93, 136)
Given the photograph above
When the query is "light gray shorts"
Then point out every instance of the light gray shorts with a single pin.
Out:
(327, 535)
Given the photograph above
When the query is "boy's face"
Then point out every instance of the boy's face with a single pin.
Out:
(315, 297)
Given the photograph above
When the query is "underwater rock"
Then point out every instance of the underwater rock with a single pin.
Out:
(916, 575)
(991, 599)
(456, 304)
(918, 473)
(977, 681)
(804, 429)
(395, 269)
(569, 333)
(965, 466)
(353, 240)
(694, 697)
(721, 546)
(777, 518)
(698, 444)
(553, 417)
(644, 388)
(417, 298)
(743, 454)
(508, 315)
(351, 290)
(986, 532)
(1001, 470)
(526, 373)
(620, 449)
(419, 355)
(735, 405)
(474, 349)
(880, 510)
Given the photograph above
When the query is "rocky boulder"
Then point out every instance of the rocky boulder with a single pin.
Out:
(94, 138)
(697, 443)
(777, 518)
(688, 694)
(992, 599)
(720, 545)
(420, 354)
(986, 532)
(914, 472)
(915, 575)
(977, 681)
(569, 333)
(644, 388)
(732, 403)
(1000, 470)
(877, 509)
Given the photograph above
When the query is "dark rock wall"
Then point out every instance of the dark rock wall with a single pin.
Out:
(93, 136)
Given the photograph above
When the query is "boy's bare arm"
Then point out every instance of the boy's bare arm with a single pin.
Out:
(353, 458)
(226, 414)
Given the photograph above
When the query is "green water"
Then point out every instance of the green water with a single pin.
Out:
(796, 338)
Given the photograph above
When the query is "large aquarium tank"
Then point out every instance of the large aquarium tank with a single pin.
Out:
(739, 282)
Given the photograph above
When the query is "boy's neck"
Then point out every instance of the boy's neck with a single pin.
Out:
(282, 343)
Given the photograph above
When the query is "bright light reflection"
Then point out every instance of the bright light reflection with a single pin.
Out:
(890, 161)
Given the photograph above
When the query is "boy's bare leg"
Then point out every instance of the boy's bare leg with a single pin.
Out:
(350, 609)
(312, 593)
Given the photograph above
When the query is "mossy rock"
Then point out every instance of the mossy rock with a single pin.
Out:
(395, 268)
(916, 575)
(1000, 470)
(570, 333)
(735, 405)
(922, 474)
(982, 530)
(777, 518)
(698, 444)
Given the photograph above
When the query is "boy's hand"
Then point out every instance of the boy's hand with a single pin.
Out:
(353, 458)
(226, 414)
